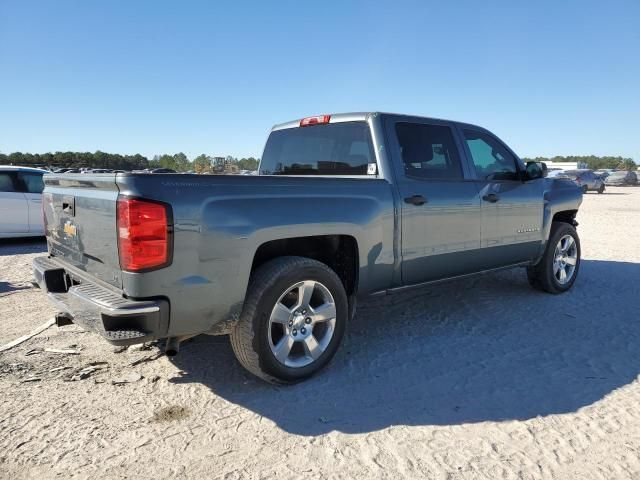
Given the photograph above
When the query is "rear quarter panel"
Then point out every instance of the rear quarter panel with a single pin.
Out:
(221, 221)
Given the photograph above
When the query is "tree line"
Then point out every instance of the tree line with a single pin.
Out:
(205, 163)
(178, 162)
(592, 162)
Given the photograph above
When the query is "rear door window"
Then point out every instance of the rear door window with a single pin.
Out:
(428, 151)
(333, 149)
(31, 182)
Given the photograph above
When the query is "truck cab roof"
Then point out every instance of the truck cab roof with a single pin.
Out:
(364, 116)
(15, 168)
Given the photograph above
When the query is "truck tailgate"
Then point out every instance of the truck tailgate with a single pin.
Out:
(80, 221)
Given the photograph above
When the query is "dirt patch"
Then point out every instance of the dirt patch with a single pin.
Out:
(170, 414)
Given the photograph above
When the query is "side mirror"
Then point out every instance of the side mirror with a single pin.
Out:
(535, 170)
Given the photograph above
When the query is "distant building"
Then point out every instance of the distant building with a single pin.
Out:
(565, 165)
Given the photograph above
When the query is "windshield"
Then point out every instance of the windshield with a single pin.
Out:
(333, 149)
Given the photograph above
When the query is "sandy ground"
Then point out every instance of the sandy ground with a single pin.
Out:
(483, 378)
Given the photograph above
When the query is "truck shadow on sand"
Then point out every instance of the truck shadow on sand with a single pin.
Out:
(484, 349)
(17, 246)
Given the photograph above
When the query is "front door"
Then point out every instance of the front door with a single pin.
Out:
(512, 209)
(14, 211)
(440, 207)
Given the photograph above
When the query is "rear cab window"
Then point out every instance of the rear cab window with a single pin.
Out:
(343, 148)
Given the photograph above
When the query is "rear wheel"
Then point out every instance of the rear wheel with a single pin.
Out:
(293, 320)
(558, 269)
(601, 189)
(585, 189)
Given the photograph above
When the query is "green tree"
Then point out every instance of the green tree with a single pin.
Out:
(202, 163)
(248, 163)
(181, 162)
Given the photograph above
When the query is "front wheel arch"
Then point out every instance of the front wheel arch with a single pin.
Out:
(542, 275)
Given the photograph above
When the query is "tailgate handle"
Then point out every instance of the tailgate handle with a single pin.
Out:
(68, 205)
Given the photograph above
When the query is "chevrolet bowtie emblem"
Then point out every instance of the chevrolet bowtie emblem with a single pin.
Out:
(70, 229)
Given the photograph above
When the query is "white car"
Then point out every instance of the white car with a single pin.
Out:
(21, 202)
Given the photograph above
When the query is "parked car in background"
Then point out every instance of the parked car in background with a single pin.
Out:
(586, 180)
(622, 178)
(21, 201)
(557, 173)
(604, 173)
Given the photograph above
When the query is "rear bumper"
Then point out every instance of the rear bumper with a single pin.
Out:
(119, 320)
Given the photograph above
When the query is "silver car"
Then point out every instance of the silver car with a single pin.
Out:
(21, 201)
(586, 180)
(622, 178)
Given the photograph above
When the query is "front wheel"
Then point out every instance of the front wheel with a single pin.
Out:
(601, 189)
(293, 320)
(558, 269)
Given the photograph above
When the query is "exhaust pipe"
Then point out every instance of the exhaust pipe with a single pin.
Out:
(172, 347)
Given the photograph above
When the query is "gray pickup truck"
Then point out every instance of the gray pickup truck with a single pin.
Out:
(344, 206)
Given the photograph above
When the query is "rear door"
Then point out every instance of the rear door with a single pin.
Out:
(440, 207)
(31, 184)
(14, 211)
(512, 209)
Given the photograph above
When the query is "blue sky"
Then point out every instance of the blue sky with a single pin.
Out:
(549, 77)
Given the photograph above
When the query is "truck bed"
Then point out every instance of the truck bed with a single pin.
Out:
(219, 222)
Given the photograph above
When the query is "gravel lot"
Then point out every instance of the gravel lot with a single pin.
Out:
(482, 378)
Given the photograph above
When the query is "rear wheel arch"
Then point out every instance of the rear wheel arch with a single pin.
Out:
(251, 337)
(338, 252)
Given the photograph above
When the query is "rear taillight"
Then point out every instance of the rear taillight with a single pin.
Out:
(317, 120)
(144, 234)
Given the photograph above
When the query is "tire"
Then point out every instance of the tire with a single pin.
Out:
(585, 189)
(543, 276)
(255, 337)
(601, 190)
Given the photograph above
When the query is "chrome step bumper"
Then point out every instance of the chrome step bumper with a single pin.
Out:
(119, 320)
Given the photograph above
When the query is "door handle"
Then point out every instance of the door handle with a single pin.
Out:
(416, 200)
(492, 197)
